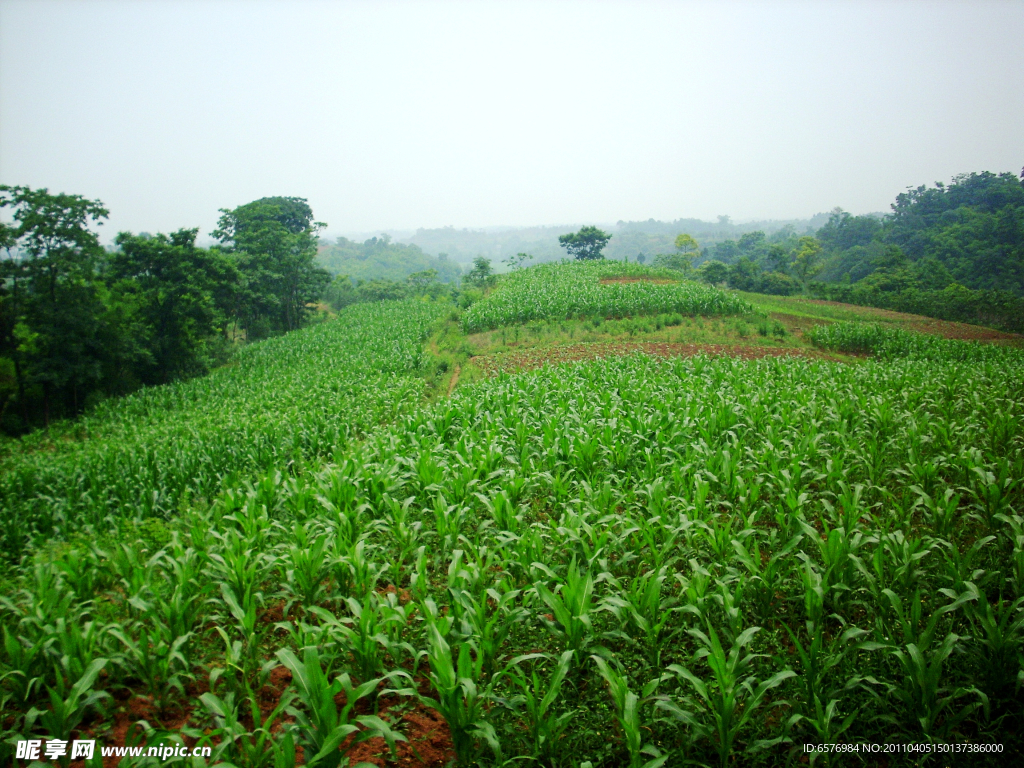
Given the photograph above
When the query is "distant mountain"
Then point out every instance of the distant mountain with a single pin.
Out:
(629, 238)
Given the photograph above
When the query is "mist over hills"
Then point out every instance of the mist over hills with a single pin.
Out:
(629, 238)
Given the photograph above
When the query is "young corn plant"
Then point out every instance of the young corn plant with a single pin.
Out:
(627, 712)
(361, 634)
(924, 699)
(69, 706)
(28, 664)
(922, 694)
(821, 698)
(998, 642)
(768, 571)
(77, 644)
(941, 514)
(449, 520)
(536, 698)
(159, 664)
(571, 607)
(829, 725)
(248, 626)
(406, 536)
(239, 746)
(726, 703)
(486, 620)
(643, 606)
(321, 726)
(306, 565)
(993, 492)
(355, 574)
(459, 698)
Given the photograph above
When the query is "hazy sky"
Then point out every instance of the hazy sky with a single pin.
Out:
(405, 115)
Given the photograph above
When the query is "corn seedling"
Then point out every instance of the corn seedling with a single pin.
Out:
(627, 712)
(320, 725)
(459, 699)
(536, 698)
(728, 701)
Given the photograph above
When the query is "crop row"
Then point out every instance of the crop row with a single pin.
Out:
(891, 343)
(573, 290)
(631, 561)
(279, 401)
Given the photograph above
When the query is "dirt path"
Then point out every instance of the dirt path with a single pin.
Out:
(948, 329)
(455, 380)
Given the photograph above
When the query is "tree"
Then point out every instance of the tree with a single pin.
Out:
(341, 292)
(51, 296)
(517, 261)
(420, 282)
(687, 250)
(745, 275)
(585, 245)
(777, 259)
(481, 275)
(806, 259)
(275, 242)
(843, 231)
(714, 272)
(752, 244)
(686, 244)
(172, 288)
(680, 262)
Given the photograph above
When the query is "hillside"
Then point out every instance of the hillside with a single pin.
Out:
(599, 515)
(381, 259)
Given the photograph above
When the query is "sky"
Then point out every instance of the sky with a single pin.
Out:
(399, 115)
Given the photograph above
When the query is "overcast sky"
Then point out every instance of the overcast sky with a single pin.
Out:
(404, 115)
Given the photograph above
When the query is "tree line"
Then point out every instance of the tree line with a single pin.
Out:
(954, 252)
(80, 322)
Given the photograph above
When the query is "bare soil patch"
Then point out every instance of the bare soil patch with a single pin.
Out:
(539, 356)
(657, 280)
(455, 379)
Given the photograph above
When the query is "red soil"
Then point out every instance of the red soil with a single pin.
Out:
(539, 356)
(658, 280)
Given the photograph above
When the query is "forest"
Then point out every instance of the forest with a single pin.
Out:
(80, 322)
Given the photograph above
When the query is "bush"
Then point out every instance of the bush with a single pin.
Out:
(713, 272)
(778, 284)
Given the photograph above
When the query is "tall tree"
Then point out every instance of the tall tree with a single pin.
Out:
(51, 297)
(275, 242)
(482, 274)
(586, 244)
(686, 244)
(806, 259)
(179, 293)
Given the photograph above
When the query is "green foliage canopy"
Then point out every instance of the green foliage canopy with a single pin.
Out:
(275, 242)
(380, 258)
(585, 245)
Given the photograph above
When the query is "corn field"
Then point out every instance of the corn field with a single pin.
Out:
(283, 400)
(893, 343)
(571, 290)
(629, 561)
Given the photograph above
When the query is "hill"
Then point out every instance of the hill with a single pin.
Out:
(629, 238)
(382, 259)
(577, 533)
